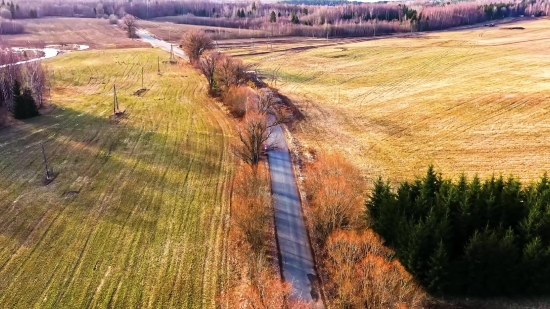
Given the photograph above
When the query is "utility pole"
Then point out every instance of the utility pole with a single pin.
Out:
(158, 64)
(142, 78)
(115, 102)
(48, 176)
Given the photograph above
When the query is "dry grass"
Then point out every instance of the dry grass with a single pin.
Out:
(137, 215)
(97, 33)
(472, 101)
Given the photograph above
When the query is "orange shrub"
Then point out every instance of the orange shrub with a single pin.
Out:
(235, 99)
(334, 190)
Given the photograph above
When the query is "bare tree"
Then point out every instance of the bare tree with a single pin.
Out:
(195, 43)
(130, 22)
(207, 66)
(36, 79)
(253, 132)
(231, 72)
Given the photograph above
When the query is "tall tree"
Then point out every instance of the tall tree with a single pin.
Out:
(195, 43)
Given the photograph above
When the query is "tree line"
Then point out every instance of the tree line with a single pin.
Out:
(282, 19)
(469, 237)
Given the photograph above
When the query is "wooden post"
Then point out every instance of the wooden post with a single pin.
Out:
(142, 77)
(158, 64)
(48, 176)
(114, 100)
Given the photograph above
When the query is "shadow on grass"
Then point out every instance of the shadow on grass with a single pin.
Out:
(105, 170)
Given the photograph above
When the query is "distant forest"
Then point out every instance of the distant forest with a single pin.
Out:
(283, 19)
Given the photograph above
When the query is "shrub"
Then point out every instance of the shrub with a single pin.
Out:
(5, 13)
(113, 19)
(235, 99)
(195, 43)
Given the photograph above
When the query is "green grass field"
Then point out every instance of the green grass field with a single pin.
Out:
(136, 216)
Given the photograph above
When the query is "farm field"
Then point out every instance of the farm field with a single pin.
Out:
(137, 214)
(96, 33)
(472, 101)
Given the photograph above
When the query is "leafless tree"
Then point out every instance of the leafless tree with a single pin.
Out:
(207, 66)
(231, 71)
(195, 43)
(36, 79)
(130, 22)
(256, 127)
(253, 133)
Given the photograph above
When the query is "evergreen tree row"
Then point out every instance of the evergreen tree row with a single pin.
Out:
(469, 237)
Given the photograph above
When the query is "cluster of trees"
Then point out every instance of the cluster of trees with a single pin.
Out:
(21, 85)
(357, 270)
(7, 13)
(226, 76)
(469, 237)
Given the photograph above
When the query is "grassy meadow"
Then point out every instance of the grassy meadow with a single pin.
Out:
(136, 216)
(472, 101)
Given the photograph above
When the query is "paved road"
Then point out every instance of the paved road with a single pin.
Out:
(147, 37)
(297, 260)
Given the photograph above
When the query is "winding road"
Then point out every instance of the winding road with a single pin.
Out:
(295, 252)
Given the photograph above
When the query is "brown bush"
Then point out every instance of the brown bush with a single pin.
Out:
(231, 72)
(252, 206)
(334, 190)
(195, 43)
(254, 281)
(363, 273)
(235, 98)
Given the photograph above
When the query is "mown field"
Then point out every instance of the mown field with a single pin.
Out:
(137, 214)
(472, 101)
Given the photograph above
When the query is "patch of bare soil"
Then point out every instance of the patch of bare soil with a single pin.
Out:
(140, 92)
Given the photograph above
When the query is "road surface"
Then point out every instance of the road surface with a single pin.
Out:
(296, 256)
(147, 37)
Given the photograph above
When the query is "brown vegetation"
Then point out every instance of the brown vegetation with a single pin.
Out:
(207, 66)
(194, 43)
(231, 71)
(357, 270)
(253, 279)
(235, 98)
(334, 189)
(130, 23)
(363, 274)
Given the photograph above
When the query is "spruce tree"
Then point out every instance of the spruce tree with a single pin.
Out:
(30, 104)
(272, 17)
(438, 266)
(18, 103)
